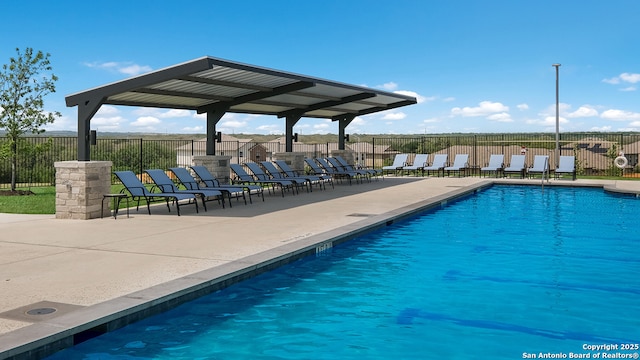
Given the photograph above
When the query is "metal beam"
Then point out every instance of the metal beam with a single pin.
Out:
(264, 94)
(330, 103)
(184, 94)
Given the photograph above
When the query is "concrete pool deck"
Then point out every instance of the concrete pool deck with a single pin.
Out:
(94, 272)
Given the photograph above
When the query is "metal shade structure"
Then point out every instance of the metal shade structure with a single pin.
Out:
(215, 86)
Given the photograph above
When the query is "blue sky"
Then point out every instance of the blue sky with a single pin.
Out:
(475, 66)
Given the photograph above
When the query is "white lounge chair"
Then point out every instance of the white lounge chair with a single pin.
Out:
(460, 164)
(496, 164)
(517, 165)
(540, 165)
(419, 162)
(439, 162)
(566, 165)
(398, 163)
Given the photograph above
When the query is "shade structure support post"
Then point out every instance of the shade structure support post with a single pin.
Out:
(213, 116)
(86, 110)
(291, 120)
(342, 124)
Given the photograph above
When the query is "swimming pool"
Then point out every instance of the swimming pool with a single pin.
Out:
(503, 274)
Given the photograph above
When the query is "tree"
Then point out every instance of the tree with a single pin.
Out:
(24, 83)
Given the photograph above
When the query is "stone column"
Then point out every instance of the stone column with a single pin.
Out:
(345, 154)
(80, 186)
(218, 165)
(294, 159)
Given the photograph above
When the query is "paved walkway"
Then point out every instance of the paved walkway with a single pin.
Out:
(87, 269)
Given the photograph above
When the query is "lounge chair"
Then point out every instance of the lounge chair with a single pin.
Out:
(277, 174)
(338, 165)
(399, 161)
(260, 174)
(207, 178)
(324, 178)
(439, 163)
(540, 166)
(166, 185)
(349, 167)
(190, 183)
(496, 164)
(567, 165)
(419, 162)
(460, 164)
(139, 191)
(517, 165)
(338, 173)
(243, 177)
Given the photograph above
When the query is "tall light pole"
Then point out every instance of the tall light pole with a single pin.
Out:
(557, 66)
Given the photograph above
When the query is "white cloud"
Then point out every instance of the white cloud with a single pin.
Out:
(449, 99)
(107, 122)
(624, 77)
(619, 115)
(630, 88)
(144, 121)
(485, 108)
(630, 78)
(394, 116)
(272, 129)
(522, 107)
(235, 124)
(388, 86)
(194, 129)
(127, 68)
(419, 98)
(500, 117)
(601, 128)
(176, 113)
(551, 120)
(107, 110)
(583, 111)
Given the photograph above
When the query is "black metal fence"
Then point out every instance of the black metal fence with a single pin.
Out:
(594, 152)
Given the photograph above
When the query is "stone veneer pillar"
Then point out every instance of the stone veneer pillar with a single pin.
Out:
(80, 186)
(218, 165)
(294, 159)
(345, 154)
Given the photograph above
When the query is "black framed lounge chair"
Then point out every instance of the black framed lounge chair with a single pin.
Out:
(349, 167)
(139, 191)
(290, 172)
(337, 173)
(166, 185)
(460, 164)
(399, 161)
(316, 169)
(243, 177)
(496, 164)
(566, 165)
(190, 183)
(259, 174)
(276, 173)
(207, 178)
(517, 165)
(540, 166)
(340, 167)
(438, 164)
(419, 162)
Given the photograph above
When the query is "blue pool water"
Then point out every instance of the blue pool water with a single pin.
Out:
(509, 271)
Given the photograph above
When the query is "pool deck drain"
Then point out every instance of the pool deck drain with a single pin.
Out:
(96, 271)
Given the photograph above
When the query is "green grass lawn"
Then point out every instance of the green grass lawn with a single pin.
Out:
(43, 201)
